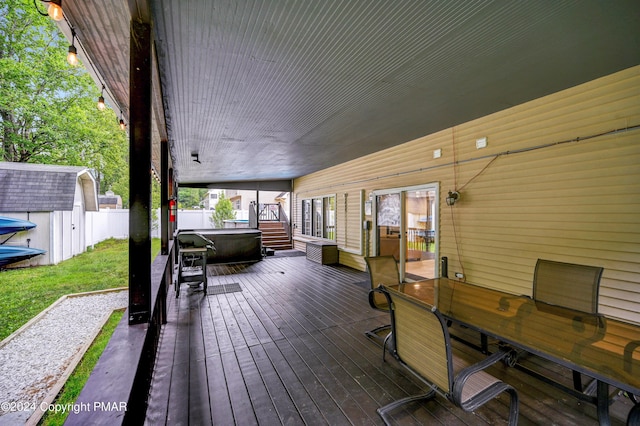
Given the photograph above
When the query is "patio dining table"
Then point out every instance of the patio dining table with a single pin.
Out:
(606, 349)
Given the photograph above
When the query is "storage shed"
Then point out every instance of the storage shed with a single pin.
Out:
(56, 199)
(110, 200)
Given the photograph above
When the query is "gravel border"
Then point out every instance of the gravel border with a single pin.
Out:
(36, 360)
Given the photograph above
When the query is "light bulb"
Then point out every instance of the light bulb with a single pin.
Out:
(72, 57)
(122, 125)
(55, 10)
(101, 105)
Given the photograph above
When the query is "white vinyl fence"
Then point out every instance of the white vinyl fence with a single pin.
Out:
(114, 223)
(106, 224)
(194, 219)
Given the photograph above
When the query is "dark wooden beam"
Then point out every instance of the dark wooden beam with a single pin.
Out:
(140, 10)
(140, 141)
(164, 196)
(173, 195)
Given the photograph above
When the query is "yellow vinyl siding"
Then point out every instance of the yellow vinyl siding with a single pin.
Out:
(352, 214)
(546, 195)
(351, 246)
(341, 209)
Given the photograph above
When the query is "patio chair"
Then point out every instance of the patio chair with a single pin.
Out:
(570, 286)
(382, 270)
(634, 416)
(423, 346)
(567, 285)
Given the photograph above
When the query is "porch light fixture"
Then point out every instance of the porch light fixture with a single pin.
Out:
(452, 198)
(55, 10)
(72, 56)
(101, 105)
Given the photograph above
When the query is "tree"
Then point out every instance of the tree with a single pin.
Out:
(47, 107)
(190, 197)
(223, 211)
(155, 203)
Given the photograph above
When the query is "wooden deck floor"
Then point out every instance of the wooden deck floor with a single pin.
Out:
(282, 343)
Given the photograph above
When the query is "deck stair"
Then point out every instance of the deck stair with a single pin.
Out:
(275, 236)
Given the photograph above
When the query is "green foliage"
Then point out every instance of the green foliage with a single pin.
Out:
(28, 291)
(155, 203)
(224, 211)
(188, 198)
(48, 108)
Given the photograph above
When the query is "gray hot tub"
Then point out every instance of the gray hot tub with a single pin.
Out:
(232, 245)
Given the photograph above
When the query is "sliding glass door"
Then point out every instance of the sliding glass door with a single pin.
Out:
(405, 227)
(419, 212)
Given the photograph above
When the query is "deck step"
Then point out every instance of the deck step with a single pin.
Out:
(275, 236)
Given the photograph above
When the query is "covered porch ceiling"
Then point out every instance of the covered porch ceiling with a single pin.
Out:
(268, 90)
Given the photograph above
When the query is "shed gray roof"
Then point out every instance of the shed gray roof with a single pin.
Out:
(26, 187)
(105, 199)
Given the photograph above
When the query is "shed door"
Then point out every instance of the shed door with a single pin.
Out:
(76, 227)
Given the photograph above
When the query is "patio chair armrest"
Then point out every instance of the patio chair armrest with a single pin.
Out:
(372, 296)
(467, 372)
(634, 415)
(379, 289)
(628, 354)
(490, 391)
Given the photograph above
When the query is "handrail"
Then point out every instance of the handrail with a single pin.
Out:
(419, 238)
(270, 212)
(274, 212)
(285, 220)
(253, 216)
(123, 372)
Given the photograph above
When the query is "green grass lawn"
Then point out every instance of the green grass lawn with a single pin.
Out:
(28, 291)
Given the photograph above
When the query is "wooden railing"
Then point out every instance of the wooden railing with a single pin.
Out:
(123, 372)
(274, 212)
(270, 212)
(419, 239)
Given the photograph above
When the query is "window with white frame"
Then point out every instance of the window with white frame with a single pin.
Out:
(306, 217)
(319, 217)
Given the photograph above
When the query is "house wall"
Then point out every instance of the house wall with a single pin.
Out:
(529, 194)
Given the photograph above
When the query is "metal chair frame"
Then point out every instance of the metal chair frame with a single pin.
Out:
(422, 345)
(382, 270)
(568, 285)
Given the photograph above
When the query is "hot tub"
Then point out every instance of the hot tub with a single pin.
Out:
(232, 245)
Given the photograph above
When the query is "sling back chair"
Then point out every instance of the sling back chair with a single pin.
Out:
(570, 286)
(382, 270)
(567, 285)
(423, 346)
(633, 418)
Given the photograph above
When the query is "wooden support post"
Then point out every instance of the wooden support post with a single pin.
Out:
(173, 193)
(140, 173)
(164, 196)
